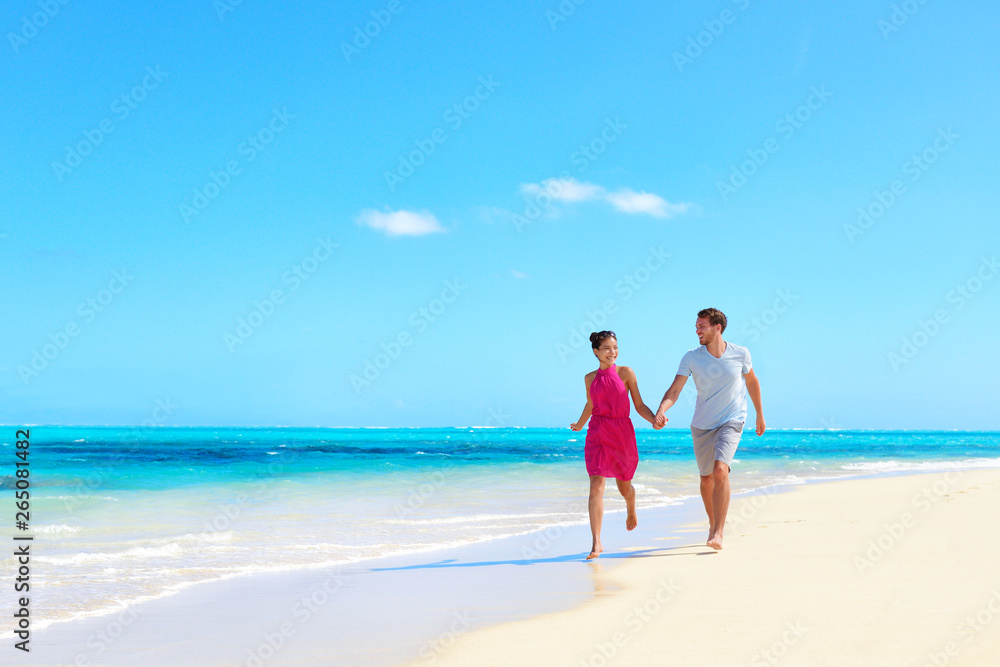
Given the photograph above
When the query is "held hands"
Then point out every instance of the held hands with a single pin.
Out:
(659, 421)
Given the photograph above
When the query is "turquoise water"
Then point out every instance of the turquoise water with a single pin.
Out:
(121, 515)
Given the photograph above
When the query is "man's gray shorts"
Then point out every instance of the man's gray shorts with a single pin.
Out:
(716, 444)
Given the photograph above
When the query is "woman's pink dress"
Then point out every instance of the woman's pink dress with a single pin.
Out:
(610, 449)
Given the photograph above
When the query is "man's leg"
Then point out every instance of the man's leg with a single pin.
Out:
(720, 502)
(727, 439)
(704, 454)
(707, 491)
(596, 507)
(628, 493)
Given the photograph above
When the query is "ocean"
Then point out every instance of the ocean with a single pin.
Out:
(120, 515)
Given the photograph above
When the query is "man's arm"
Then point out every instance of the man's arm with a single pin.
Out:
(669, 399)
(753, 388)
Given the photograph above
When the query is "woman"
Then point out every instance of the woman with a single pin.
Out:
(610, 449)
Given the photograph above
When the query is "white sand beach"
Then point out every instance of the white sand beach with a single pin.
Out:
(882, 571)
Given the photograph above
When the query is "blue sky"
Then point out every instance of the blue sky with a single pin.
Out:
(219, 214)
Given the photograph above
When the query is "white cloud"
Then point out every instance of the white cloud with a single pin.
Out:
(563, 189)
(400, 223)
(630, 201)
(624, 200)
(517, 274)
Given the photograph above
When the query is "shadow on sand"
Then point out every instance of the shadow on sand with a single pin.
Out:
(568, 558)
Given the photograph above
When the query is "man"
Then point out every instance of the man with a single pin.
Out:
(723, 375)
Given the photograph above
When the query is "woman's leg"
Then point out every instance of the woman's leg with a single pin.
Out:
(596, 507)
(628, 493)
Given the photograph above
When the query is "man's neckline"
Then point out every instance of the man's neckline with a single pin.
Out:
(723, 351)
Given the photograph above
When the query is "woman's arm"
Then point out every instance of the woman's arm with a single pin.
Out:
(628, 377)
(588, 408)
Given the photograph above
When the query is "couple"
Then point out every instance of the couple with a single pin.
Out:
(722, 375)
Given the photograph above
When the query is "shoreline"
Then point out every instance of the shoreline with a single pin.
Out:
(861, 571)
(686, 504)
(492, 577)
(689, 503)
(293, 611)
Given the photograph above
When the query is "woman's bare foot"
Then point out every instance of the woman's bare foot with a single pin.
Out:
(595, 551)
(628, 493)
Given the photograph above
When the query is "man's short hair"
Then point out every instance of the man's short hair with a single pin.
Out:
(714, 316)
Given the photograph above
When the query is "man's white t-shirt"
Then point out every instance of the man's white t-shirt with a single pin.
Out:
(721, 389)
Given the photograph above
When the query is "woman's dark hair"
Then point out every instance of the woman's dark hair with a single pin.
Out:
(599, 337)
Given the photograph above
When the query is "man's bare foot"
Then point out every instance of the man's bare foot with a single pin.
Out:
(595, 551)
(715, 541)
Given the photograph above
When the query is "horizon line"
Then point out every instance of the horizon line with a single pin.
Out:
(479, 426)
